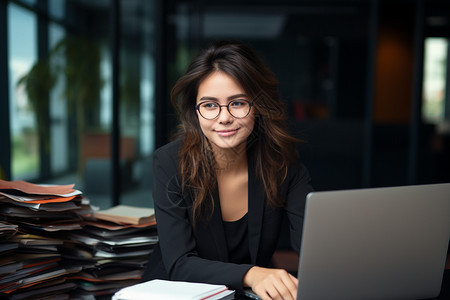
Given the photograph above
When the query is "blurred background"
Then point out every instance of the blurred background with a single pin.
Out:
(84, 86)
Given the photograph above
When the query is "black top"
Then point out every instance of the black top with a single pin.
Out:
(236, 234)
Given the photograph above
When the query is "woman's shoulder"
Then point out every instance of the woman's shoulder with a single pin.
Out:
(297, 171)
(171, 147)
(169, 151)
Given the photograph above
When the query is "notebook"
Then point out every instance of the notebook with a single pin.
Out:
(378, 243)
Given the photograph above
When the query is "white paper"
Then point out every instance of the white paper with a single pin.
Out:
(176, 290)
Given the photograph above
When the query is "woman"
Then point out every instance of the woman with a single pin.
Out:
(222, 188)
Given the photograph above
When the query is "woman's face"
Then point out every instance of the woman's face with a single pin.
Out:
(225, 131)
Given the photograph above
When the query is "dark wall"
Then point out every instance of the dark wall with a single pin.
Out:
(348, 74)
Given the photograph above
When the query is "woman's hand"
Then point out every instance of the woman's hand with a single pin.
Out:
(271, 283)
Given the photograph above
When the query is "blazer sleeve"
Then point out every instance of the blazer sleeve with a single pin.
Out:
(298, 187)
(176, 236)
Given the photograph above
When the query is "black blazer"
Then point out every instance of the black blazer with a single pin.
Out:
(201, 255)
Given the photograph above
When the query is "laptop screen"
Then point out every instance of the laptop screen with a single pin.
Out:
(379, 243)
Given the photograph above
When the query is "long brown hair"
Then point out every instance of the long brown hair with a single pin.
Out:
(270, 145)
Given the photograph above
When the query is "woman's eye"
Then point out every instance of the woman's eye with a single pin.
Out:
(210, 105)
(238, 103)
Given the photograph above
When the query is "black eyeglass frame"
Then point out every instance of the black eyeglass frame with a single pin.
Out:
(197, 107)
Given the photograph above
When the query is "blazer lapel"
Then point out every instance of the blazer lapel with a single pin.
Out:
(216, 229)
(256, 202)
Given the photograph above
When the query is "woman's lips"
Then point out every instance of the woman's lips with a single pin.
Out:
(228, 132)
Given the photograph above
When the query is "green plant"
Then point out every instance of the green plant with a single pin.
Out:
(38, 82)
(77, 61)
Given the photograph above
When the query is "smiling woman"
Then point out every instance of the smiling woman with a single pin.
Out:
(222, 188)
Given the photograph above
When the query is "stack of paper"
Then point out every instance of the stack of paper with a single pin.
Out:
(174, 290)
(34, 218)
(53, 242)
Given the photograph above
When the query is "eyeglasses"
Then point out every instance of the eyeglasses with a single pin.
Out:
(237, 108)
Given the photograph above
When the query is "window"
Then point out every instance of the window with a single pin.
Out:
(434, 80)
(23, 109)
(61, 105)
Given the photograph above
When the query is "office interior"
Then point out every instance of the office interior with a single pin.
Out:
(85, 87)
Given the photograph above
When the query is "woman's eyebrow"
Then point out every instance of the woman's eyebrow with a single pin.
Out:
(208, 98)
(237, 96)
(229, 98)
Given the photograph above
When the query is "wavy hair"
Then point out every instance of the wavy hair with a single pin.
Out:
(270, 144)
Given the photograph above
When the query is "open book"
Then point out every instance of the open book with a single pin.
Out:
(176, 290)
(124, 214)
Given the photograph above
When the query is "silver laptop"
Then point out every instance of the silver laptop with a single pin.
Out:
(379, 243)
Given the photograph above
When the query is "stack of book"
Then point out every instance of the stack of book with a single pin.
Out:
(53, 243)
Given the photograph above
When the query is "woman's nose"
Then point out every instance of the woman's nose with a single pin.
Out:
(224, 116)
